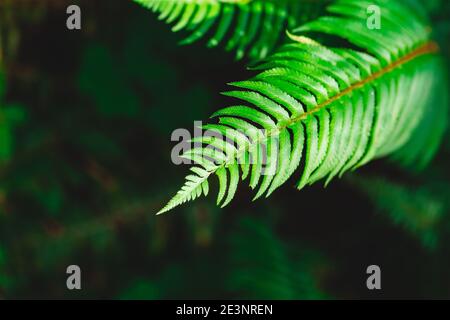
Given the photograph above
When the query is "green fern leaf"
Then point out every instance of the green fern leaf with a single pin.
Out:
(248, 27)
(328, 110)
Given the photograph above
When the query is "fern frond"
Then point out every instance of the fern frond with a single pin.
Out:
(327, 110)
(249, 27)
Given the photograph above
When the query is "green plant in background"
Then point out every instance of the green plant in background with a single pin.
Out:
(249, 27)
(254, 263)
(78, 175)
(273, 270)
(330, 109)
(419, 210)
(11, 115)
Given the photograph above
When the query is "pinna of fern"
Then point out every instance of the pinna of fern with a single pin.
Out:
(249, 27)
(331, 109)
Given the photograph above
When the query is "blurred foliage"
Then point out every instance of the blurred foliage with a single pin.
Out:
(11, 115)
(273, 270)
(420, 209)
(86, 118)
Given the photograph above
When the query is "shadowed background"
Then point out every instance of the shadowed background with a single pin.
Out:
(85, 124)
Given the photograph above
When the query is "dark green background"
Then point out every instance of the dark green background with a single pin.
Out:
(85, 163)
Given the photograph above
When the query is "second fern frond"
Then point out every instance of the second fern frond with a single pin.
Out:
(249, 27)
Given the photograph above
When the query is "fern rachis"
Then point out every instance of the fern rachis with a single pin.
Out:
(331, 109)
